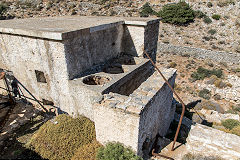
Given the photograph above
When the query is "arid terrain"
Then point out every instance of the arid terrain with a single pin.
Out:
(209, 89)
(216, 34)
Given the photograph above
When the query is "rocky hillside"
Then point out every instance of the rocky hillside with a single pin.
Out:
(219, 31)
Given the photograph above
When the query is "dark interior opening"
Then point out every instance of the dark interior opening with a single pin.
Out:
(40, 76)
(95, 80)
(128, 84)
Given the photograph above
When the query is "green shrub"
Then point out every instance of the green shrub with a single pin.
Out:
(146, 10)
(230, 123)
(206, 38)
(3, 8)
(199, 14)
(212, 31)
(203, 73)
(180, 13)
(116, 151)
(236, 108)
(87, 152)
(205, 93)
(59, 138)
(172, 65)
(216, 16)
(209, 4)
(207, 20)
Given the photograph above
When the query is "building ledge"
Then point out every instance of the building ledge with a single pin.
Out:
(66, 27)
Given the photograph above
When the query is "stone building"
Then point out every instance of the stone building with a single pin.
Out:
(94, 66)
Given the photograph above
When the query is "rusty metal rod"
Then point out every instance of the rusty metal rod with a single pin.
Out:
(183, 106)
(22, 95)
(32, 95)
(11, 99)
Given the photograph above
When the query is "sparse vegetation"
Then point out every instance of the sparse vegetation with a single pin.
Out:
(172, 65)
(230, 123)
(60, 138)
(209, 4)
(3, 8)
(216, 16)
(223, 3)
(146, 10)
(236, 130)
(203, 73)
(209, 105)
(180, 13)
(220, 84)
(207, 20)
(205, 93)
(234, 109)
(24, 4)
(199, 14)
(212, 31)
(230, 126)
(116, 151)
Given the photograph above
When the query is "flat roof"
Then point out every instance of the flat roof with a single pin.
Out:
(65, 27)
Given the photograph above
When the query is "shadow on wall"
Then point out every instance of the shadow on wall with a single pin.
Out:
(161, 142)
(87, 53)
(15, 87)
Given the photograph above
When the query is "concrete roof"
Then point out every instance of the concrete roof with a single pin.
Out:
(60, 28)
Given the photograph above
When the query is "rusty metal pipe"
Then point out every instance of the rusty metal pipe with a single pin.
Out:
(31, 95)
(11, 99)
(183, 106)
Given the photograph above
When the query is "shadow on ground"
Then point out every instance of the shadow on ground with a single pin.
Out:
(14, 147)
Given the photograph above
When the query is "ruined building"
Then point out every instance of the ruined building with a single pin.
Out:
(94, 66)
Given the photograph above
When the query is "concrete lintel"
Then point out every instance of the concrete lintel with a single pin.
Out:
(32, 33)
(141, 23)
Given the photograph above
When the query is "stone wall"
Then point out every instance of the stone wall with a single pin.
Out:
(212, 142)
(140, 37)
(89, 49)
(156, 116)
(25, 55)
(199, 53)
(36, 48)
(133, 41)
(151, 39)
(135, 120)
(116, 125)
